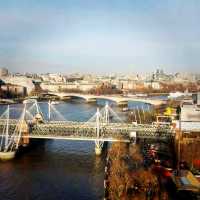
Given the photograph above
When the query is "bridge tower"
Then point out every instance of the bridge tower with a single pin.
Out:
(49, 110)
(23, 130)
(6, 152)
(24, 127)
(7, 126)
(11, 137)
(106, 114)
(102, 117)
(98, 143)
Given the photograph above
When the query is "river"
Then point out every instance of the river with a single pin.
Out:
(55, 169)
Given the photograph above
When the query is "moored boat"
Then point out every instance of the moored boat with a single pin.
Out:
(55, 102)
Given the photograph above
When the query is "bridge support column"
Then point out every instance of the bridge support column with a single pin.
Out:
(25, 140)
(122, 103)
(133, 137)
(98, 147)
(98, 143)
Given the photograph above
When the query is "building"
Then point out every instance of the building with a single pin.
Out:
(79, 86)
(184, 78)
(152, 84)
(187, 138)
(53, 78)
(160, 76)
(14, 90)
(20, 81)
(3, 72)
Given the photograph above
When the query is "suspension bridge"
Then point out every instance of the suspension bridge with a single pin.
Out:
(104, 125)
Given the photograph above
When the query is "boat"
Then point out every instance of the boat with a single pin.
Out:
(55, 102)
(125, 109)
(6, 101)
(174, 95)
(131, 95)
(141, 95)
(30, 100)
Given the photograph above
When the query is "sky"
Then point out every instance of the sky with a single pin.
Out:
(100, 36)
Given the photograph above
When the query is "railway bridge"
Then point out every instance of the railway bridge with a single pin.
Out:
(99, 128)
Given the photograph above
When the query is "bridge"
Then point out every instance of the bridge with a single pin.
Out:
(82, 131)
(100, 128)
(119, 100)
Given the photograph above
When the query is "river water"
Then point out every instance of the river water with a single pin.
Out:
(55, 169)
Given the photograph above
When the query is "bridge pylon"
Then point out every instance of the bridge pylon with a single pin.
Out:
(11, 137)
(49, 110)
(98, 143)
(106, 114)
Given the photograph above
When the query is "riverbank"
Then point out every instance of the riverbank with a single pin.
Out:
(142, 171)
(126, 176)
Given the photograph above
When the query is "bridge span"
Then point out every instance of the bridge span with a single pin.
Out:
(99, 128)
(87, 131)
(119, 100)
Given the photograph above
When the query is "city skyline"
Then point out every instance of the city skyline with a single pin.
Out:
(99, 36)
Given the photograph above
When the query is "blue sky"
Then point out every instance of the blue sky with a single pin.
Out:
(102, 36)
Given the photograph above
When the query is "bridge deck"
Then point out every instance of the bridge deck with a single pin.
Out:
(87, 131)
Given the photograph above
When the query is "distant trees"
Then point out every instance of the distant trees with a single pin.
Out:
(98, 90)
(105, 89)
(142, 116)
(173, 87)
(70, 90)
(166, 87)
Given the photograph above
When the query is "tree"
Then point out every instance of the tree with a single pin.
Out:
(127, 181)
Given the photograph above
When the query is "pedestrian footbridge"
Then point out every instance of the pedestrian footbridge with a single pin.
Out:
(99, 128)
